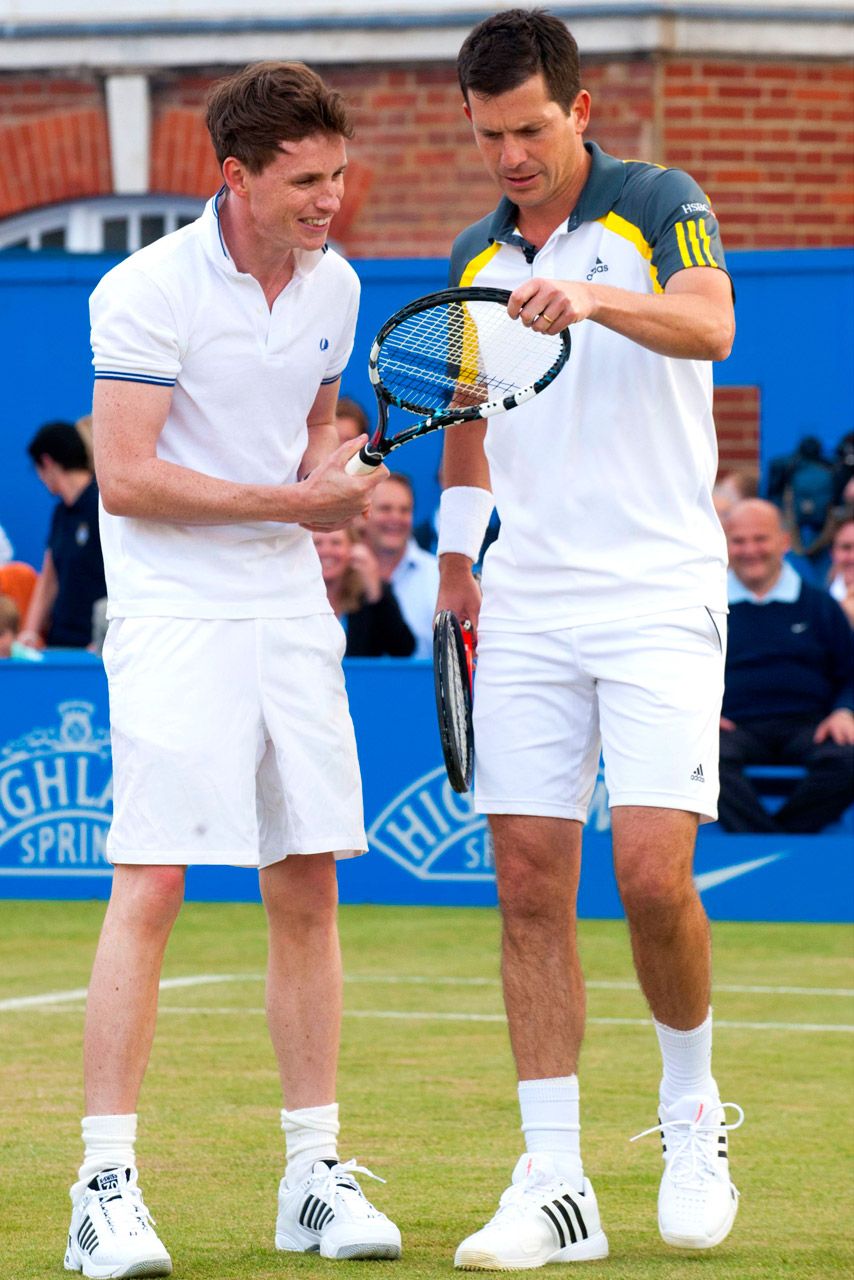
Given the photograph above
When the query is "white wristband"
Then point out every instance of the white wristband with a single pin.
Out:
(464, 513)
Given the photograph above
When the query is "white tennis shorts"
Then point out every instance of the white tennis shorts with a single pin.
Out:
(647, 690)
(232, 741)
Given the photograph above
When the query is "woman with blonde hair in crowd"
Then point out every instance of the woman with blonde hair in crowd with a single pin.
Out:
(364, 605)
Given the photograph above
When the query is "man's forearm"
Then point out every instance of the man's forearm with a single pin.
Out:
(160, 490)
(680, 324)
(322, 442)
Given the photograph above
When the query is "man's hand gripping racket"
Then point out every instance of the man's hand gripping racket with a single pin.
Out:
(451, 357)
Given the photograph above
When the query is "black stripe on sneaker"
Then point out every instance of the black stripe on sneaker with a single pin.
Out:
(307, 1212)
(87, 1236)
(564, 1213)
(316, 1214)
(558, 1228)
(581, 1225)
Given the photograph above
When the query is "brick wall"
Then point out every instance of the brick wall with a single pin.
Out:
(53, 141)
(736, 412)
(771, 142)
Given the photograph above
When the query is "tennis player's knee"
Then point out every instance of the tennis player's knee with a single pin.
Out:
(150, 895)
(653, 888)
(527, 895)
(301, 891)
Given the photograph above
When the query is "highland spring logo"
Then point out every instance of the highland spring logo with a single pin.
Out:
(435, 834)
(56, 791)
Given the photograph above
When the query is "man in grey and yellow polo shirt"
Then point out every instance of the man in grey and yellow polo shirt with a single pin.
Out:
(602, 619)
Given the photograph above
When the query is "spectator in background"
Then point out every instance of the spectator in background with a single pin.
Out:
(789, 685)
(84, 430)
(72, 574)
(18, 581)
(10, 621)
(842, 565)
(843, 472)
(364, 605)
(412, 572)
(350, 420)
(802, 485)
(732, 487)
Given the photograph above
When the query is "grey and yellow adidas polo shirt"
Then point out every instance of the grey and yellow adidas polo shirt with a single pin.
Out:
(603, 482)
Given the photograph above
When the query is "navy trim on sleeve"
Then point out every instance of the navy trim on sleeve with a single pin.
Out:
(134, 377)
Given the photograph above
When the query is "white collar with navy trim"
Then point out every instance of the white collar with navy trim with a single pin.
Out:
(785, 590)
(305, 260)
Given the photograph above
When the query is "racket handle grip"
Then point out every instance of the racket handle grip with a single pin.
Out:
(362, 463)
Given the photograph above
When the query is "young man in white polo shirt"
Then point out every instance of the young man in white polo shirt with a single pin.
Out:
(602, 618)
(218, 353)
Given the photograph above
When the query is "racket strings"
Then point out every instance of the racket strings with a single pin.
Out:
(461, 354)
(458, 701)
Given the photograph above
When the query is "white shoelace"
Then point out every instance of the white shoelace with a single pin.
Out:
(692, 1144)
(519, 1197)
(331, 1186)
(125, 1209)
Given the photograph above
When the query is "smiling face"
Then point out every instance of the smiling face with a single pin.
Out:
(531, 146)
(334, 551)
(291, 202)
(843, 553)
(757, 543)
(389, 525)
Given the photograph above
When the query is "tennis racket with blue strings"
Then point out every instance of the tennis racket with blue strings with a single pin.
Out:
(452, 357)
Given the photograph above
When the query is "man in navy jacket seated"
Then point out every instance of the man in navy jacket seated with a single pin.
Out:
(789, 691)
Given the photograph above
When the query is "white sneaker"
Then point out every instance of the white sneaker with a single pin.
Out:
(328, 1214)
(541, 1218)
(111, 1233)
(697, 1201)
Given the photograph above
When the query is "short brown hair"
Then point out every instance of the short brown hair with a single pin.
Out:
(507, 49)
(250, 113)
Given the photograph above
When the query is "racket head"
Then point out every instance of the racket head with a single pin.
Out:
(452, 667)
(456, 356)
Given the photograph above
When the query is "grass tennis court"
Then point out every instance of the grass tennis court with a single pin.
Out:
(427, 1092)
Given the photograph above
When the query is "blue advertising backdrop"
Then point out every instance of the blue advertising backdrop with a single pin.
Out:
(802, 368)
(427, 845)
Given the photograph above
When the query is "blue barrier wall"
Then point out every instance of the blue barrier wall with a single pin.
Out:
(428, 847)
(795, 336)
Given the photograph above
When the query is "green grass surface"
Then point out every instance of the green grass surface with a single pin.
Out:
(427, 1101)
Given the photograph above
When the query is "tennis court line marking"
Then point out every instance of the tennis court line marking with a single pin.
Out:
(417, 1015)
(210, 979)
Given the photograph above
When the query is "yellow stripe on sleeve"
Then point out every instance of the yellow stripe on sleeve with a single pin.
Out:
(695, 244)
(707, 244)
(683, 245)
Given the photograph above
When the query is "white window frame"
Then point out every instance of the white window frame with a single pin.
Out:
(83, 220)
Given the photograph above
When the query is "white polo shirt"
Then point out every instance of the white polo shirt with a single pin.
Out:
(179, 314)
(604, 481)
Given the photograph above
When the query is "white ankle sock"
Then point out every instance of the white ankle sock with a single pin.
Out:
(550, 1123)
(687, 1060)
(311, 1134)
(108, 1141)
